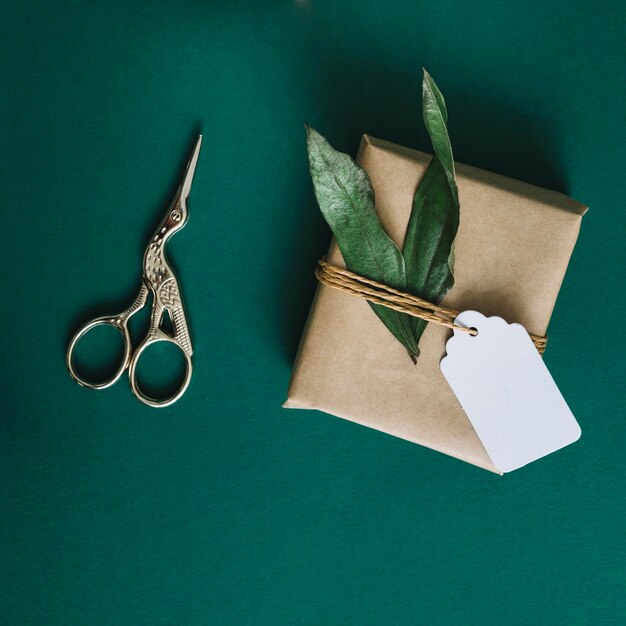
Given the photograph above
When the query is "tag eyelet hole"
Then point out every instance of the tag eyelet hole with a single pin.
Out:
(473, 331)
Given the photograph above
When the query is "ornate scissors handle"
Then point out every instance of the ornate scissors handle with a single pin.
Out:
(120, 322)
(166, 299)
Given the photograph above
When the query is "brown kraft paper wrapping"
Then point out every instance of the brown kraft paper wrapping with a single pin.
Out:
(512, 249)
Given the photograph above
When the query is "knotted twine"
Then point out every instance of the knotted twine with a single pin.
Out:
(378, 293)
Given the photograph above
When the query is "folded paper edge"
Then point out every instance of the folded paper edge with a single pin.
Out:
(556, 199)
(290, 404)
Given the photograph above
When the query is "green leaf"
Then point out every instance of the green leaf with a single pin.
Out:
(429, 242)
(346, 198)
(436, 121)
(429, 84)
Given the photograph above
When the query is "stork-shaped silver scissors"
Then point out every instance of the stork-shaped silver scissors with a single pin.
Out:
(159, 281)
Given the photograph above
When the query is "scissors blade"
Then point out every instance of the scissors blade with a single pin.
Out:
(185, 186)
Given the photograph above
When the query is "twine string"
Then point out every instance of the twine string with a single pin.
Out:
(379, 293)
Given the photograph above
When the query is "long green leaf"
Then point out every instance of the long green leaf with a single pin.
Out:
(429, 242)
(346, 198)
(436, 121)
(434, 90)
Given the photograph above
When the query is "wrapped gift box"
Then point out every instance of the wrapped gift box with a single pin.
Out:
(512, 249)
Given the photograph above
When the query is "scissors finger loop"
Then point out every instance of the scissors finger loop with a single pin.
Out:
(117, 323)
(132, 373)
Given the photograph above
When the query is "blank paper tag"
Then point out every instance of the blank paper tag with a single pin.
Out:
(507, 391)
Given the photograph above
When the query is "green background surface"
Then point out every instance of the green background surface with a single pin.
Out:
(227, 509)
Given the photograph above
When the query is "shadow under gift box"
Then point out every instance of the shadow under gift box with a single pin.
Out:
(512, 249)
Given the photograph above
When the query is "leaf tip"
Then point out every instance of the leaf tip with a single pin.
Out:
(311, 133)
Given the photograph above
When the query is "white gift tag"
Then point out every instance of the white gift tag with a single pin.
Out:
(507, 391)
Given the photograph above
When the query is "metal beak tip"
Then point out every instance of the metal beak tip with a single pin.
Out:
(191, 168)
